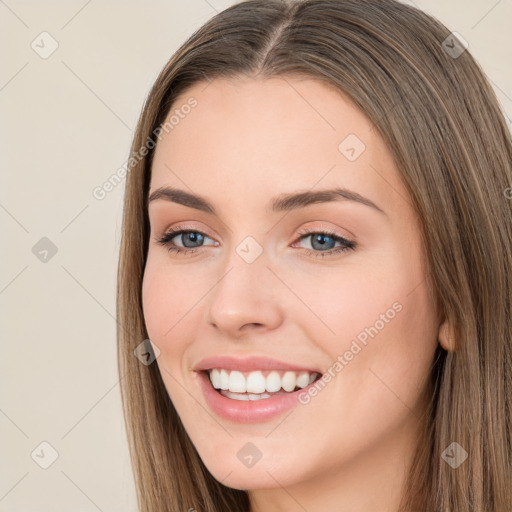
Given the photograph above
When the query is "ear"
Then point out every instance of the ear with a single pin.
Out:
(446, 336)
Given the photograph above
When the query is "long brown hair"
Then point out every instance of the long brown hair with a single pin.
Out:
(442, 123)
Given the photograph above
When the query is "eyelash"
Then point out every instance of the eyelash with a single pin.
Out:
(347, 244)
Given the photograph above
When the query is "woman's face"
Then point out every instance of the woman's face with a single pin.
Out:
(257, 280)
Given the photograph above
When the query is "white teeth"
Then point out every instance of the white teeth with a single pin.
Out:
(215, 378)
(258, 397)
(303, 379)
(288, 381)
(224, 380)
(255, 384)
(273, 382)
(246, 397)
(237, 382)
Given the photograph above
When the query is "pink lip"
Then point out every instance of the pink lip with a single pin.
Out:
(251, 411)
(249, 364)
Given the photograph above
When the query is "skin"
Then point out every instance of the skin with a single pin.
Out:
(249, 140)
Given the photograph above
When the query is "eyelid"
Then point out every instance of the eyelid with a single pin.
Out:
(326, 228)
(315, 226)
(185, 227)
(302, 231)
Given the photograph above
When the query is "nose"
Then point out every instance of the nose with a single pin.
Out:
(245, 298)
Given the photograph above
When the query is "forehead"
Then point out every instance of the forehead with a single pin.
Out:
(258, 137)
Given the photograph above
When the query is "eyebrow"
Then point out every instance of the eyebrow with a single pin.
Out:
(284, 202)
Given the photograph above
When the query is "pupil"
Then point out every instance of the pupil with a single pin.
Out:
(195, 237)
(321, 240)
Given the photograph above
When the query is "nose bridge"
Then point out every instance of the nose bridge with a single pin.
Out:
(244, 293)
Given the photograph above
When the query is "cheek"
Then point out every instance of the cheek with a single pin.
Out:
(343, 301)
(387, 340)
(380, 316)
(168, 309)
(155, 302)
(165, 301)
(167, 294)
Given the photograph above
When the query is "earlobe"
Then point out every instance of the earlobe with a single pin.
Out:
(446, 336)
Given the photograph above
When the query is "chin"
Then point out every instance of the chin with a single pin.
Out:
(262, 475)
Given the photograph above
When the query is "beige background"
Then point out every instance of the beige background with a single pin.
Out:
(66, 125)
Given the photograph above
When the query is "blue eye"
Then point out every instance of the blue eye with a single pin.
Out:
(322, 242)
(187, 237)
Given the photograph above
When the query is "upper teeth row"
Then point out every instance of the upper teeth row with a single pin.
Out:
(256, 382)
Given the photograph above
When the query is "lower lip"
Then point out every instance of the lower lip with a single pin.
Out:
(247, 411)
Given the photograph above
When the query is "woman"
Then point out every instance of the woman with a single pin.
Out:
(317, 243)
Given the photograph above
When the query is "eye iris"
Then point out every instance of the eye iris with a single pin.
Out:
(321, 240)
(193, 236)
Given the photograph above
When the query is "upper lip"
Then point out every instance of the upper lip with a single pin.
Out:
(247, 364)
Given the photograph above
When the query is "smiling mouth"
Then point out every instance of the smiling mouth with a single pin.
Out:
(259, 384)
